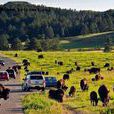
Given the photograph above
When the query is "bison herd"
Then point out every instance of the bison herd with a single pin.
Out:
(59, 92)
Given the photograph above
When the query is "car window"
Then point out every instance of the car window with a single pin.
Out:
(10, 71)
(36, 77)
(50, 78)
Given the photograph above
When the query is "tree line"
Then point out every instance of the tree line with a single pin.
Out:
(23, 21)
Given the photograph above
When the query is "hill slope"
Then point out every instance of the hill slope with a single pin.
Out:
(25, 21)
(87, 41)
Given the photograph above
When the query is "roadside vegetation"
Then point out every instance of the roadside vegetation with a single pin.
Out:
(81, 99)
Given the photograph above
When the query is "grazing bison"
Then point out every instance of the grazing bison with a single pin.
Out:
(61, 82)
(107, 65)
(4, 92)
(94, 70)
(78, 68)
(56, 94)
(92, 63)
(69, 71)
(83, 84)
(60, 63)
(110, 69)
(72, 91)
(93, 98)
(16, 55)
(97, 77)
(40, 56)
(103, 93)
(26, 62)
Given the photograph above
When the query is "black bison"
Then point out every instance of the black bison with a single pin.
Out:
(26, 62)
(107, 65)
(103, 93)
(72, 91)
(56, 94)
(4, 92)
(83, 84)
(110, 69)
(40, 56)
(60, 63)
(97, 77)
(93, 98)
(61, 82)
(16, 68)
(93, 70)
(69, 71)
(16, 55)
(92, 63)
(78, 68)
(76, 64)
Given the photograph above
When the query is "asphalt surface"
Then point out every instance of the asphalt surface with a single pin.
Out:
(13, 104)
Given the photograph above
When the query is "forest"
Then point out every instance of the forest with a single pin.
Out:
(23, 22)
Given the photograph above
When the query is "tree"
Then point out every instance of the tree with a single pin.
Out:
(34, 44)
(4, 45)
(108, 45)
(49, 32)
(17, 44)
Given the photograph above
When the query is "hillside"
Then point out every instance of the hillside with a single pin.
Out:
(96, 40)
(25, 21)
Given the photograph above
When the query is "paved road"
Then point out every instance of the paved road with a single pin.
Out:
(13, 104)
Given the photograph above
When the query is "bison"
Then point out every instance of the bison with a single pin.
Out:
(103, 93)
(72, 91)
(107, 65)
(93, 98)
(93, 70)
(56, 94)
(4, 92)
(83, 84)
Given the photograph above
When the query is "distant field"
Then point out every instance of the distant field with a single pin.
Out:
(81, 100)
(87, 41)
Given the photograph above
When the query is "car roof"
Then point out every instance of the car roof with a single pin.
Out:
(2, 71)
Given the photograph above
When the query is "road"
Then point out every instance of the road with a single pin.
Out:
(13, 104)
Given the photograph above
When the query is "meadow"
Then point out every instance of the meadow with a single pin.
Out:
(96, 40)
(33, 103)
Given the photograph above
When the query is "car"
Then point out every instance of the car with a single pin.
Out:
(2, 63)
(33, 81)
(35, 72)
(51, 81)
(4, 75)
(12, 73)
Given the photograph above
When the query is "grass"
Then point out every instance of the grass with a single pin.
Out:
(96, 40)
(81, 100)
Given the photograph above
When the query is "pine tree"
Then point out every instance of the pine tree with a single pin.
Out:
(108, 45)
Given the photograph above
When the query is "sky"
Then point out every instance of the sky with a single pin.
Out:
(96, 5)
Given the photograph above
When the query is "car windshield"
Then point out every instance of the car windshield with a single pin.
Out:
(36, 72)
(1, 61)
(10, 71)
(36, 77)
(50, 78)
(2, 73)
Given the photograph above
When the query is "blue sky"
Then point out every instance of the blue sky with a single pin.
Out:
(97, 5)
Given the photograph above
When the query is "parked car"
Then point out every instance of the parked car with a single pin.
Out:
(51, 81)
(35, 72)
(4, 75)
(12, 73)
(2, 63)
(34, 81)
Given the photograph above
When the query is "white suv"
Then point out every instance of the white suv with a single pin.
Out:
(34, 81)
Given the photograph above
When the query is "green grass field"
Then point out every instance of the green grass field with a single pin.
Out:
(81, 100)
(96, 40)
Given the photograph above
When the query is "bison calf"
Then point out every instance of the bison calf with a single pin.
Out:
(72, 91)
